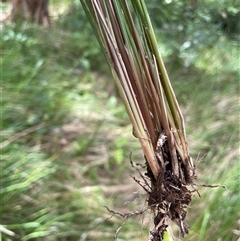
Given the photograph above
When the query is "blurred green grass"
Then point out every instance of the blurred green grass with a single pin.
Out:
(66, 138)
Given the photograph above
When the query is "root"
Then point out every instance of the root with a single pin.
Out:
(167, 196)
(169, 199)
(124, 216)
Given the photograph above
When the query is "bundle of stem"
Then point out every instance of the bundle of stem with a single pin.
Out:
(128, 40)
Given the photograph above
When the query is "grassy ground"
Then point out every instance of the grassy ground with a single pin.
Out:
(66, 138)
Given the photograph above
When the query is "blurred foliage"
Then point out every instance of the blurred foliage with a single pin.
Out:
(75, 21)
(182, 25)
(66, 139)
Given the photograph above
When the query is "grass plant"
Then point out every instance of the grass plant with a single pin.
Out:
(150, 101)
(66, 138)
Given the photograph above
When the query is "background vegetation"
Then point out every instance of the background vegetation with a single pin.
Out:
(66, 138)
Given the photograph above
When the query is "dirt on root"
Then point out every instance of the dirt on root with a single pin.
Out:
(168, 199)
